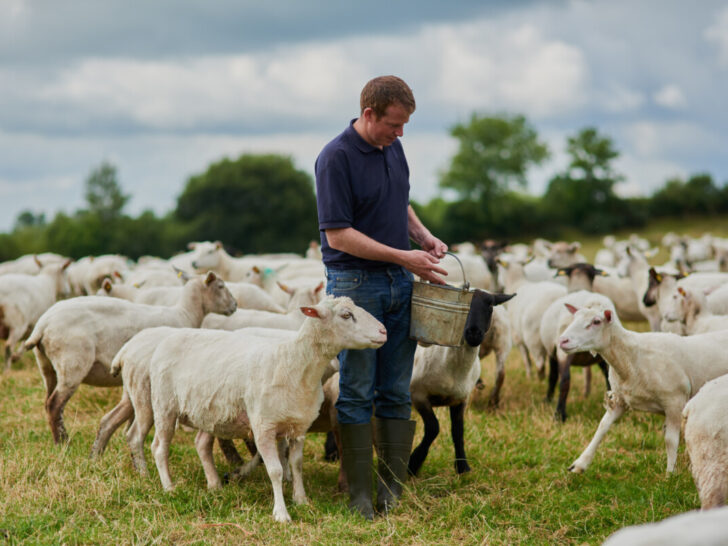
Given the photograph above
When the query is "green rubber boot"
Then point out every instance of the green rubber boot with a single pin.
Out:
(356, 458)
(394, 444)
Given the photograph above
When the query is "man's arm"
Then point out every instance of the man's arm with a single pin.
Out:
(422, 236)
(354, 242)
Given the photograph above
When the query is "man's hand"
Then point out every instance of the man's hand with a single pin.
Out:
(424, 265)
(434, 246)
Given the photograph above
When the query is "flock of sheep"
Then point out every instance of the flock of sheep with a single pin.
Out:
(246, 347)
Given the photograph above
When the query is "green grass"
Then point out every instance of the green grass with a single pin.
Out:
(519, 491)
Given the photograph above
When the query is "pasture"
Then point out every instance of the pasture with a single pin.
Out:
(519, 490)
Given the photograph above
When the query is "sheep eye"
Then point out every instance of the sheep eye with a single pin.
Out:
(346, 315)
(596, 322)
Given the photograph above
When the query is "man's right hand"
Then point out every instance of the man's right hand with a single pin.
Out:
(424, 265)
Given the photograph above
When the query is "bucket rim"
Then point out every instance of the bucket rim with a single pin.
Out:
(444, 286)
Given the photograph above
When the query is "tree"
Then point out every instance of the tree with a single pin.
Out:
(28, 219)
(103, 193)
(257, 203)
(494, 155)
(583, 196)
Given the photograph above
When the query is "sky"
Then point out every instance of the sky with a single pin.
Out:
(163, 89)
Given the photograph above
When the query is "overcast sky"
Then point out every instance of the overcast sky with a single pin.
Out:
(162, 89)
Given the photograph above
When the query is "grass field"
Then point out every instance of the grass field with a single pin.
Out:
(519, 491)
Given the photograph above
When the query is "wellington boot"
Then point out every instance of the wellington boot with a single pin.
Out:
(356, 458)
(394, 444)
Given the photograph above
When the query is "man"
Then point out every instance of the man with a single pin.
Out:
(362, 187)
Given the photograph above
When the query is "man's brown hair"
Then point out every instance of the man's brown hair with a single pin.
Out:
(381, 92)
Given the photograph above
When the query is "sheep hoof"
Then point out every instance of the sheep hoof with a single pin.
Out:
(576, 469)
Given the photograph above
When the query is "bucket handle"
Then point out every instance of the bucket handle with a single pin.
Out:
(466, 284)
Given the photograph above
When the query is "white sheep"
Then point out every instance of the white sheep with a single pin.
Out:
(706, 438)
(689, 308)
(28, 264)
(243, 318)
(446, 376)
(525, 311)
(694, 528)
(224, 382)
(24, 298)
(75, 340)
(656, 372)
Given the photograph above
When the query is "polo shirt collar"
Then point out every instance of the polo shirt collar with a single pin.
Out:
(358, 141)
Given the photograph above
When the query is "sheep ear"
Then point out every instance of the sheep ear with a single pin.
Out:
(501, 298)
(608, 315)
(575, 246)
(256, 269)
(69, 261)
(311, 312)
(318, 288)
(37, 261)
(107, 285)
(285, 288)
(218, 245)
(211, 277)
(570, 308)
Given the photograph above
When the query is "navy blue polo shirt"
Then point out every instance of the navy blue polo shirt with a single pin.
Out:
(360, 186)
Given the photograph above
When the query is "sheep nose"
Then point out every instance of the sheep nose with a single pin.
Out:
(383, 331)
(564, 341)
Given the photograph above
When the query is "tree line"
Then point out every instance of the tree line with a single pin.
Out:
(262, 203)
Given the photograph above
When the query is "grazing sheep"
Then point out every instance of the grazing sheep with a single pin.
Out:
(706, 438)
(446, 376)
(24, 298)
(224, 382)
(75, 340)
(652, 371)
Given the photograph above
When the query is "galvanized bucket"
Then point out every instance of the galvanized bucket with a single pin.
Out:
(439, 311)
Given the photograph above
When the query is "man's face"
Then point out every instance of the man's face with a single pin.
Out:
(385, 130)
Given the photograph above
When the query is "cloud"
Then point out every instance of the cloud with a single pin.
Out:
(717, 33)
(671, 97)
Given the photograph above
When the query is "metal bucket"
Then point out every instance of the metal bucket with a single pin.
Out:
(439, 311)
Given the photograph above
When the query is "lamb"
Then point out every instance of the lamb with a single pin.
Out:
(689, 308)
(706, 438)
(24, 298)
(224, 382)
(445, 376)
(75, 340)
(656, 372)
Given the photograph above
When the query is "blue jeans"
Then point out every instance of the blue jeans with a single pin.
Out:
(376, 379)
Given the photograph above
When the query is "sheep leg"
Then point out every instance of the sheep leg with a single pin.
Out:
(54, 408)
(110, 422)
(587, 381)
(164, 425)
(526, 359)
(564, 386)
(282, 445)
(296, 462)
(203, 445)
(229, 451)
(457, 422)
(242, 471)
(672, 437)
(143, 421)
(266, 442)
(13, 351)
(432, 429)
(500, 375)
(615, 409)
(553, 377)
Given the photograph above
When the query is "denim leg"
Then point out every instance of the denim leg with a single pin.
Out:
(376, 377)
(396, 357)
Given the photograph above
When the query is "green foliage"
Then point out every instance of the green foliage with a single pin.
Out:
(103, 193)
(494, 155)
(697, 195)
(257, 203)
